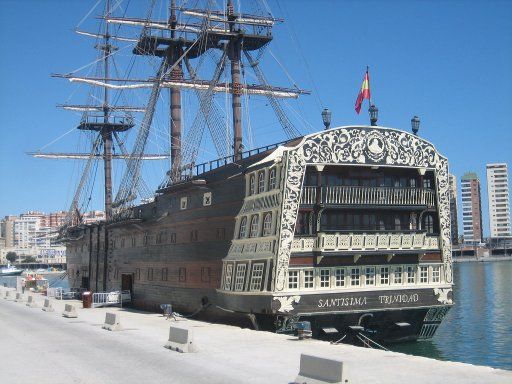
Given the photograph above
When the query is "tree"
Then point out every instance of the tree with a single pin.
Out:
(11, 256)
(29, 259)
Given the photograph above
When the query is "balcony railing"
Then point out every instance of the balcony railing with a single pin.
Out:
(327, 242)
(356, 195)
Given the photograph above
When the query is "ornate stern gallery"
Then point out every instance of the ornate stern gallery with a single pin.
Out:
(348, 227)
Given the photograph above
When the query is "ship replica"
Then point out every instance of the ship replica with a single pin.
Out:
(347, 228)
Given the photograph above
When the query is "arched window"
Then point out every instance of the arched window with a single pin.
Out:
(267, 224)
(429, 224)
(272, 179)
(254, 226)
(243, 228)
(261, 182)
(251, 185)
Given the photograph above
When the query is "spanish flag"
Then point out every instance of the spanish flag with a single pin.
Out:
(364, 93)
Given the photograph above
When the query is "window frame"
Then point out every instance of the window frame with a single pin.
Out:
(228, 277)
(296, 277)
(240, 277)
(252, 184)
(337, 280)
(256, 279)
(310, 272)
(261, 181)
(254, 229)
(267, 224)
(242, 229)
(272, 179)
(324, 278)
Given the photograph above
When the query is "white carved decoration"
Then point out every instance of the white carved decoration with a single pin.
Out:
(407, 241)
(357, 145)
(394, 241)
(370, 242)
(344, 242)
(442, 295)
(357, 241)
(419, 239)
(286, 302)
(383, 241)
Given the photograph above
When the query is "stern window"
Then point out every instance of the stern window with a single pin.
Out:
(243, 228)
(354, 276)
(254, 226)
(227, 278)
(257, 277)
(398, 275)
(261, 182)
(384, 275)
(240, 276)
(325, 278)
(272, 179)
(309, 278)
(436, 274)
(267, 224)
(423, 274)
(369, 275)
(293, 279)
(340, 277)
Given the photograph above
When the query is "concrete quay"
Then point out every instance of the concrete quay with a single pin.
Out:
(49, 348)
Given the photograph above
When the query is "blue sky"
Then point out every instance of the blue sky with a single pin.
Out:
(449, 62)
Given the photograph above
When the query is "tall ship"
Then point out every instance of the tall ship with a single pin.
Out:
(347, 227)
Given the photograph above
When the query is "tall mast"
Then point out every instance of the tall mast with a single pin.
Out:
(234, 52)
(173, 54)
(106, 132)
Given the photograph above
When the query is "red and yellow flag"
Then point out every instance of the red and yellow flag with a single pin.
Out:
(364, 93)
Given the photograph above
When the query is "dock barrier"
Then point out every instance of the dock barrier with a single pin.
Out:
(321, 370)
(112, 321)
(181, 340)
(31, 302)
(69, 311)
(47, 307)
(8, 295)
(19, 298)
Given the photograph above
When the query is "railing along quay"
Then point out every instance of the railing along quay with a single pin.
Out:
(357, 195)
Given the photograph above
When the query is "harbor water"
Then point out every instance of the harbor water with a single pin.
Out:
(477, 330)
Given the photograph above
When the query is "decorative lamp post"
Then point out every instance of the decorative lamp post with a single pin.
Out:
(326, 117)
(374, 114)
(415, 124)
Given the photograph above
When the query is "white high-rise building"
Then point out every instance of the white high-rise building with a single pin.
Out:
(499, 203)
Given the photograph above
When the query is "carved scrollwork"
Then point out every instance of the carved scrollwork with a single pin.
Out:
(358, 145)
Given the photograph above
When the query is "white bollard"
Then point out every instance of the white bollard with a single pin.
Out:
(47, 307)
(112, 321)
(31, 301)
(19, 298)
(321, 370)
(69, 311)
(181, 340)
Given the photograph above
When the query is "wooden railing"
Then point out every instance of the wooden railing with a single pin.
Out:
(365, 242)
(356, 195)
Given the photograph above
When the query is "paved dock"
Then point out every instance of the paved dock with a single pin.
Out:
(48, 348)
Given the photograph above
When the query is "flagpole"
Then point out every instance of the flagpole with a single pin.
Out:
(370, 98)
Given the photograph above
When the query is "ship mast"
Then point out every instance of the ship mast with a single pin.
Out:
(234, 53)
(173, 54)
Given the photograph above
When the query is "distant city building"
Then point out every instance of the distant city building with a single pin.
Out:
(499, 203)
(93, 217)
(471, 208)
(8, 230)
(30, 230)
(453, 209)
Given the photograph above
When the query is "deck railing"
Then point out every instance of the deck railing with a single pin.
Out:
(365, 242)
(357, 195)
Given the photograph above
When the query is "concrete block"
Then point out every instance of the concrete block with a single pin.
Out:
(8, 295)
(69, 311)
(47, 307)
(181, 340)
(112, 321)
(321, 370)
(31, 302)
(19, 298)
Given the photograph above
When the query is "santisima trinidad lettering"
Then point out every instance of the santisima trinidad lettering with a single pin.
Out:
(342, 302)
(399, 298)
